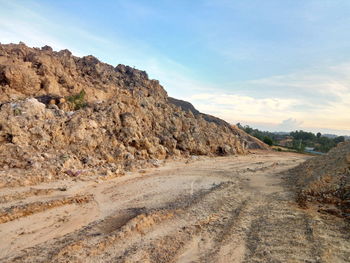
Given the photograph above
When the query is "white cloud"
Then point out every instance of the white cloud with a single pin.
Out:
(333, 81)
(310, 100)
(289, 125)
(239, 108)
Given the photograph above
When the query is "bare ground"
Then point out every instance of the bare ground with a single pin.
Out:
(227, 209)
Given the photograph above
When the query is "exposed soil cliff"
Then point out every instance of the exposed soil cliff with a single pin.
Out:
(63, 115)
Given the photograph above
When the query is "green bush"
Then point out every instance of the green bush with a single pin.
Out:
(77, 100)
(268, 140)
(17, 112)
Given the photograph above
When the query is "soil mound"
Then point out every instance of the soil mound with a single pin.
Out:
(62, 115)
(325, 180)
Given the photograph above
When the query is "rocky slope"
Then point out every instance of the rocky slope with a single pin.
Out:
(62, 115)
(325, 181)
(250, 141)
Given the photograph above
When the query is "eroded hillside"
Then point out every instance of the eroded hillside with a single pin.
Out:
(63, 115)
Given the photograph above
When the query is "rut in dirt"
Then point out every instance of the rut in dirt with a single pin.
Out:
(230, 209)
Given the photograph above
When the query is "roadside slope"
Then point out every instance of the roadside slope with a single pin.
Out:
(325, 181)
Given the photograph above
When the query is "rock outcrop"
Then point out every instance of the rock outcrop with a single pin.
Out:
(62, 115)
(325, 180)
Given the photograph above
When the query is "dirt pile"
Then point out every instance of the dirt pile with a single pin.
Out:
(325, 180)
(62, 115)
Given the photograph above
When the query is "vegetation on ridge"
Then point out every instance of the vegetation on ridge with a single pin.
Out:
(296, 140)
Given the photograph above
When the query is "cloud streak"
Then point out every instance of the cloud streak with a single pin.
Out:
(306, 100)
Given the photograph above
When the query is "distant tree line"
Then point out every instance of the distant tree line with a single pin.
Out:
(299, 139)
(302, 139)
(269, 138)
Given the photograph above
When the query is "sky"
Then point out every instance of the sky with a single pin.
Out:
(274, 65)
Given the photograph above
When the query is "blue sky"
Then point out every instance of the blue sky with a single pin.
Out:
(275, 65)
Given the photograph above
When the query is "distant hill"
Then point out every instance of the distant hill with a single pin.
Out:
(332, 136)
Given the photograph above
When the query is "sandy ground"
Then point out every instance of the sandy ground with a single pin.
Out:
(225, 209)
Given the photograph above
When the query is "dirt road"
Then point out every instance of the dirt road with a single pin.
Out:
(227, 209)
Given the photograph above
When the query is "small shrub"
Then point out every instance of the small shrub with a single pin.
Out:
(78, 100)
(17, 112)
(268, 141)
